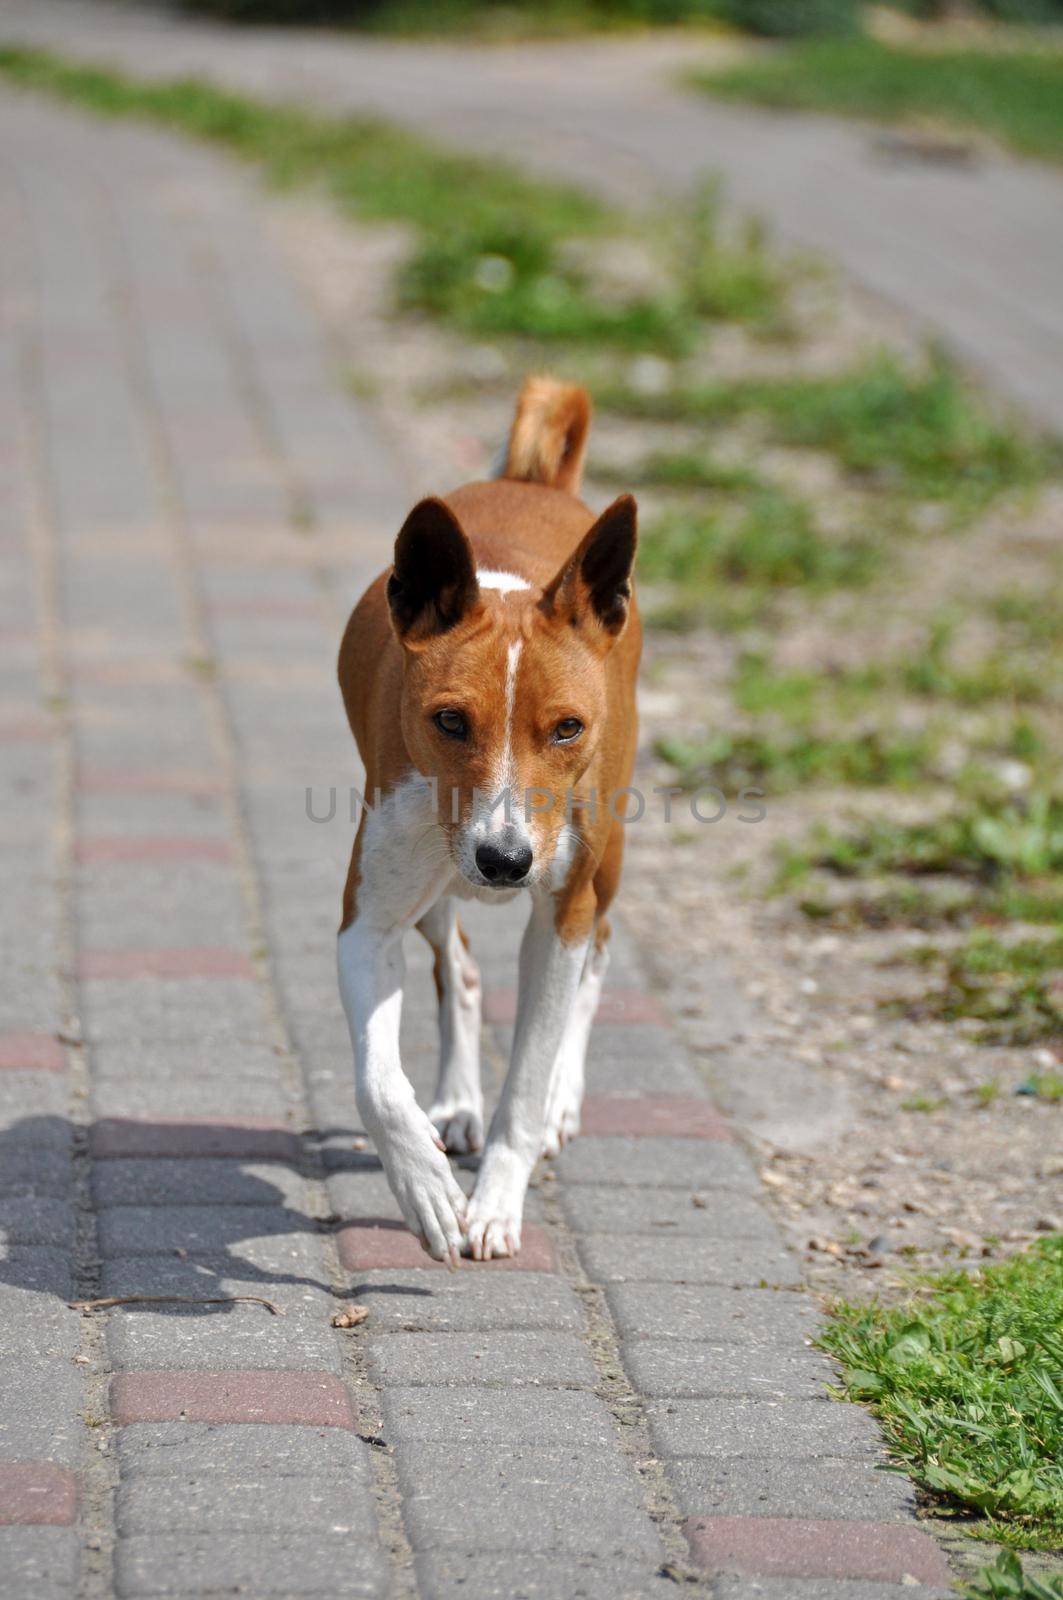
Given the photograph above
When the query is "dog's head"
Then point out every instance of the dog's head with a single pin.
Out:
(504, 692)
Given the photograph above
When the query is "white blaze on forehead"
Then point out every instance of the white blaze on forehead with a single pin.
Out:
(505, 582)
(512, 661)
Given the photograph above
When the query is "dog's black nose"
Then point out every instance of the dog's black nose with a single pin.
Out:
(504, 866)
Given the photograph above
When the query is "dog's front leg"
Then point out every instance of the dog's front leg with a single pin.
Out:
(550, 969)
(371, 971)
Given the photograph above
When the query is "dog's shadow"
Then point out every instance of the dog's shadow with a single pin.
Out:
(46, 1160)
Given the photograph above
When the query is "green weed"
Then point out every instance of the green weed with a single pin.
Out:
(1012, 989)
(1013, 95)
(967, 1380)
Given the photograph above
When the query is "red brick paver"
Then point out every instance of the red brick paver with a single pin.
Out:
(31, 1052)
(196, 963)
(243, 1138)
(130, 848)
(312, 1399)
(675, 1115)
(146, 780)
(791, 1547)
(617, 1006)
(370, 1242)
(36, 1492)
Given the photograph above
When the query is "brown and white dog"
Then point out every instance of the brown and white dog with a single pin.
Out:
(489, 680)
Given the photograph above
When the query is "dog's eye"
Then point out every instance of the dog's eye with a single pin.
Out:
(568, 728)
(452, 723)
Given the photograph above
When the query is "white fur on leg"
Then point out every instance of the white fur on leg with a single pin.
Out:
(457, 1112)
(566, 1084)
(404, 868)
(549, 980)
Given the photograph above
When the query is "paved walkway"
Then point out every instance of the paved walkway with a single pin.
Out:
(188, 503)
(974, 255)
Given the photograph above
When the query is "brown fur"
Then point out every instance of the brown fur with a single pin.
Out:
(548, 440)
(576, 660)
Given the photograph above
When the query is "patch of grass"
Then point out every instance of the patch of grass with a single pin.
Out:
(987, 861)
(921, 433)
(1003, 674)
(801, 760)
(729, 278)
(772, 543)
(1047, 1086)
(1006, 1580)
(679, 469)
(922, 1102)
(967, 1380)
(1013, 989)
(1015, 96)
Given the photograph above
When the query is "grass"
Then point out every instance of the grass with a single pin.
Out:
(1013, 96)
(967, 1380)
(1006, 1580)
(736, 761)
(923, 433)
(1011, 989)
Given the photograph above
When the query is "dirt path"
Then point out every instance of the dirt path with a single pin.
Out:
(973, 254)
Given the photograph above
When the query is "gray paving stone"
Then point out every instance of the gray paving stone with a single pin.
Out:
(742, 1263)
(486, 1356)
(26, 1172)
(37, 1271)
(35, 1325)
(638, 1058)
(743, 1426)
(33, 1110)
(36, 1219)
(475, 1300)
(167, 1060)
(131, 814)
(462, 1575)
(780, 1486)
(163, 1449)
(220, 1098)
(491, 1497)
(166, 906)
(504, 1416)
(255, 1563)
(200, 1230)
(689, 1311)
(39, 1562)
(598, 1208)
(661, 1163)
(659, 1368)
(289, 1272)
(730, 1587)
(209, 1503)
(209, 1181)
(40, 1416)
(215, 1010)
(245, 1337)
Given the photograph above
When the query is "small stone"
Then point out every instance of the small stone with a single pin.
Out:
(350, 1316)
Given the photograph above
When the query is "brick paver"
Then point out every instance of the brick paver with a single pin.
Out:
(638, 1396)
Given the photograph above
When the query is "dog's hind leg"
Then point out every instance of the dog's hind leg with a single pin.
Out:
(457, 1110)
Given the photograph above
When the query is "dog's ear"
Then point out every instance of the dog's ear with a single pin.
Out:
(594, 585)
(432, 584)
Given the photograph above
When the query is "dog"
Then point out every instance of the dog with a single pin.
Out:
(489, 681)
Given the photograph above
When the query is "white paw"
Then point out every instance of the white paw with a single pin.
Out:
(461, 1127)
(487, 1237)
(421, 1180)
(562, 1120)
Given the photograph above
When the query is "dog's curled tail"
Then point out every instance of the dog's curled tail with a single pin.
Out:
(548, 440)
